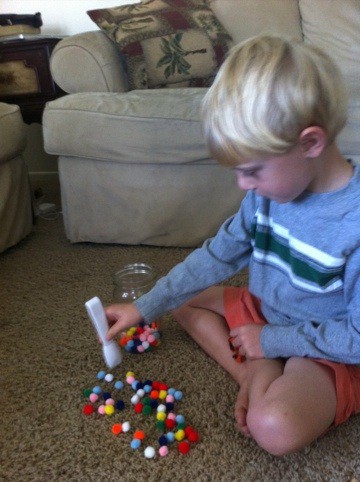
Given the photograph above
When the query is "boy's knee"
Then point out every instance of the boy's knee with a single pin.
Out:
(273, 428)
(183, 315)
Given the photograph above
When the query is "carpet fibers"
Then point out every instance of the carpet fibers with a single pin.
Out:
(49, 355)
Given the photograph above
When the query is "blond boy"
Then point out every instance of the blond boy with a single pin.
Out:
(273, 114)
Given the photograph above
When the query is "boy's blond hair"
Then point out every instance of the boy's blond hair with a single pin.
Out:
(266, 93)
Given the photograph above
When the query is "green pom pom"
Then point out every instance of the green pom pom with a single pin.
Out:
(147, 410)
(160, 425)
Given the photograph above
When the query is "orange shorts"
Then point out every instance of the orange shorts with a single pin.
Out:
(241, 308)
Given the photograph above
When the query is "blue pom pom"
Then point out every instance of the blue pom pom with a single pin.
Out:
(106, 395)
(119, 385)
(101, 375)
(169, 407)
(163, 440)
(180, 419)
(178, 395)
(154, 403)
(135, 443)
(97, 390)
(170, 436)
(120, 405)
(134, 385)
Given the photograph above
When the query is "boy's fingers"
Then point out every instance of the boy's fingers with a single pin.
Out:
(112, 331)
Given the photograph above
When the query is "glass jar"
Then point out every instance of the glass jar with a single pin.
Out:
(130, 282)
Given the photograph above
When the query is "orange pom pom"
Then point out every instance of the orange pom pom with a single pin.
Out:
(116, 428)
(139, 434)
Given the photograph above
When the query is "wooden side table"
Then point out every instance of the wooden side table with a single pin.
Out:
(25, 77)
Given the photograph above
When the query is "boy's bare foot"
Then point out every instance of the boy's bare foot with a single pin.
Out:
(241, 408)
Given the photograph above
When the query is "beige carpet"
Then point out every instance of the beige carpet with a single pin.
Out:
(49, 354)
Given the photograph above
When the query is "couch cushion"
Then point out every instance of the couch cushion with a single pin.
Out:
(143, 126)
(334, 27)
(246, 18)
(166, 41)
(12, 132)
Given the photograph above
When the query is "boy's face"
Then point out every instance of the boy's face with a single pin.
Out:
(280, 178)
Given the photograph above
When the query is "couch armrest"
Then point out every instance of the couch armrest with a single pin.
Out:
(88, 62)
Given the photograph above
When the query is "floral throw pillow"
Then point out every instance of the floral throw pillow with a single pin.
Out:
(166, 43)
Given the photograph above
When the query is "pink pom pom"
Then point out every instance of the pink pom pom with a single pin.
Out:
(109, 401)
(93, 397)
(140, 349)
(151, 338)
(101, 410)
(163, 451)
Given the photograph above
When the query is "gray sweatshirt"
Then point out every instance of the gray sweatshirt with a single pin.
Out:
(304, 265)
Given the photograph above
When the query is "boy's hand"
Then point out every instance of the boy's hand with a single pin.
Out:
(121, 317)
(247, 339)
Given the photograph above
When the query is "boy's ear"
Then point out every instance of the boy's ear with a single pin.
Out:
(313, 141)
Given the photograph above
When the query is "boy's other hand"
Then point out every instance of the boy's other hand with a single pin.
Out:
(247, 339)
(121, 317)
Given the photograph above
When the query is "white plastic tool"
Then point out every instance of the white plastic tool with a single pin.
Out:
(111, 351)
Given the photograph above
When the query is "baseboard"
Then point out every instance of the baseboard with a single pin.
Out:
(38, 176)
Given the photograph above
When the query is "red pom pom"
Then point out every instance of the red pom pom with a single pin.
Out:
(169, 423)
(184, 447)
(139, 407)
(193, 436)
(156, 385)
(88, 409)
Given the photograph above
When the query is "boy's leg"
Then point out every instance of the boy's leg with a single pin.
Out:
(203, 318)
(294, 409)
(284, 407)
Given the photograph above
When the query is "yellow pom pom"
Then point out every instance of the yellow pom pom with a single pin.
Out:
(179, 435)
(161, 416)
(109, 409)
(130, 374)
(162, 394)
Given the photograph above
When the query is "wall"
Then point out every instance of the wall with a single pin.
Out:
(64, 17)
(60, 17)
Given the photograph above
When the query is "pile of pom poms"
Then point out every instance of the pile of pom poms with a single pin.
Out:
(150, 397)
(106, 403)
(141, 338)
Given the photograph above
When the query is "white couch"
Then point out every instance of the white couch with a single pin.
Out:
(133, 165)
(16, 214)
